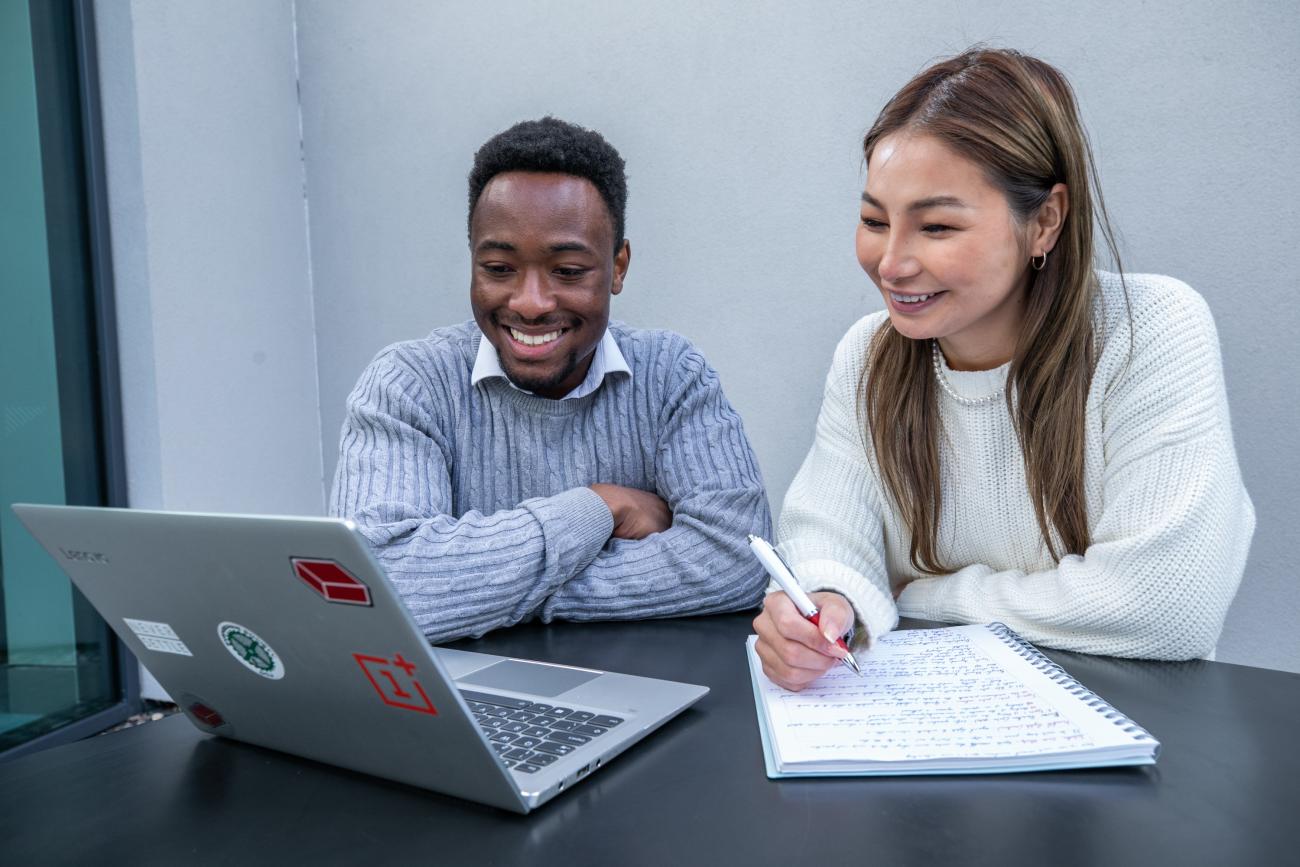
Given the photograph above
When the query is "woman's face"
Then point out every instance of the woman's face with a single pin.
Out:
(945, 250)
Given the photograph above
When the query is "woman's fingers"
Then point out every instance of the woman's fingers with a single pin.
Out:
(781, 672)
(793, 650)
(834, 618)
(792, 625)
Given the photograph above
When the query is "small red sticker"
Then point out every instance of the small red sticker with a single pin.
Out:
(207, 715)
(332, 581)
(394, 680)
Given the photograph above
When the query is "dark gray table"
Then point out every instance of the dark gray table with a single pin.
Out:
(1226, 790)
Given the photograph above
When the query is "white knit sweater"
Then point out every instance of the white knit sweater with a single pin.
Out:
(1170, 520)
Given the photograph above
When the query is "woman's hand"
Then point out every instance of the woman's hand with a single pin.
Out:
(794, 651)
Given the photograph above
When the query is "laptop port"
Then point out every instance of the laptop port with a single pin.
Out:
(582, 772)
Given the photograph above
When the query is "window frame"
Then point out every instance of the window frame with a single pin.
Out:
(104, 324)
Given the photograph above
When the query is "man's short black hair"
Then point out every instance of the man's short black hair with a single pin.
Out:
(553, 145)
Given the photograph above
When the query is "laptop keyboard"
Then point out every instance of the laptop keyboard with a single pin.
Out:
(530, 735)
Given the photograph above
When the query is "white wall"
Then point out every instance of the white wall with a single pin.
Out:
(213, 281)
(741, 124)
(210, 251)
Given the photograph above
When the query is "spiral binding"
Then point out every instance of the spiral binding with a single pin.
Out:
(1063, 678)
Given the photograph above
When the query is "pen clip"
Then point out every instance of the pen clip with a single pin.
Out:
(782, 574)
(786, 565)
(814, 611)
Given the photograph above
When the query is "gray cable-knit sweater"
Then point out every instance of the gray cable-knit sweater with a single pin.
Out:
(475, 498)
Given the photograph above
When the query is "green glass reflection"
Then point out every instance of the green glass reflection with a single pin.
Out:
(38, 638)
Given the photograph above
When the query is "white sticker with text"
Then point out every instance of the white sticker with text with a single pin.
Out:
(157, 636)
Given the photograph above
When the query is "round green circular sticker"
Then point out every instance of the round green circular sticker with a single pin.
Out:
(252, 652)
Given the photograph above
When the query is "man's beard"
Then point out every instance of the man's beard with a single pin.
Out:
(537, 384)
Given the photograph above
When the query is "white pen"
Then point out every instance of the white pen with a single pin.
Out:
(781, 574)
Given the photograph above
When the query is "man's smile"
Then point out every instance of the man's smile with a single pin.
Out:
(534, 343)
(535, 339)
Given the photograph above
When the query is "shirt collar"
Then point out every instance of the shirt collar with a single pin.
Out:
(606, 359)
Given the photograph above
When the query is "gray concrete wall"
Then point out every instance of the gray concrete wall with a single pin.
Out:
(740, 122)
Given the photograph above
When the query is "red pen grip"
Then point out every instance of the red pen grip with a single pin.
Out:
(815, 619)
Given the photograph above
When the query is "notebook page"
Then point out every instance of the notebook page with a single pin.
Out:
(929, 694)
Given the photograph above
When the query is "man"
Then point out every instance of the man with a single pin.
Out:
(542, 461)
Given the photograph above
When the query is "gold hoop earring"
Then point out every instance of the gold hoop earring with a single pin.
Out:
(1036, 265)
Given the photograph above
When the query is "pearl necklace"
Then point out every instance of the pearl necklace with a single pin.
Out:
(943, 382)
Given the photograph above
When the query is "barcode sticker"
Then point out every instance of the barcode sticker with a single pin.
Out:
(149, 627)
(157, 636)
(165, 645)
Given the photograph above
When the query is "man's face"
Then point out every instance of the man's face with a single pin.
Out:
(543, 271)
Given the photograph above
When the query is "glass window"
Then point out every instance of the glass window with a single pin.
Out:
(61, 668)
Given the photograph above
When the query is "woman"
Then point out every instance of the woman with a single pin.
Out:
(1017, 437)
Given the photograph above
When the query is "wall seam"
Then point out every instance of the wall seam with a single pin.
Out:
(311, 279)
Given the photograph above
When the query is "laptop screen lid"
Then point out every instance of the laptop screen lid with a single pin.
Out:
(280, 632)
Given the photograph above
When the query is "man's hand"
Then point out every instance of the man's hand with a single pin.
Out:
(636, 513)
(793, 651)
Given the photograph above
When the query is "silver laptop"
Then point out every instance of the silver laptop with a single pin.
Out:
(284, 632)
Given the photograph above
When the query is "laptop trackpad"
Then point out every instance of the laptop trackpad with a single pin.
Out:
(516, 676)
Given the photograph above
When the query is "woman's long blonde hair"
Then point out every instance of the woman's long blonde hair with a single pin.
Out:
(1015, 117)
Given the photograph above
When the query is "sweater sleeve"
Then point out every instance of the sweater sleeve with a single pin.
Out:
(1170, 543)
(706, 472)
(832, 525)
(458, 576)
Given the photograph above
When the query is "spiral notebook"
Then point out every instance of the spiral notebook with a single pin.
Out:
(957, 700)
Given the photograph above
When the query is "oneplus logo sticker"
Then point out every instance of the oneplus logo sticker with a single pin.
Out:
(332, 581)
(252, 652)
(394, 680)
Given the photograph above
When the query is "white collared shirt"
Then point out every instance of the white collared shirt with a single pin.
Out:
(606, 359)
